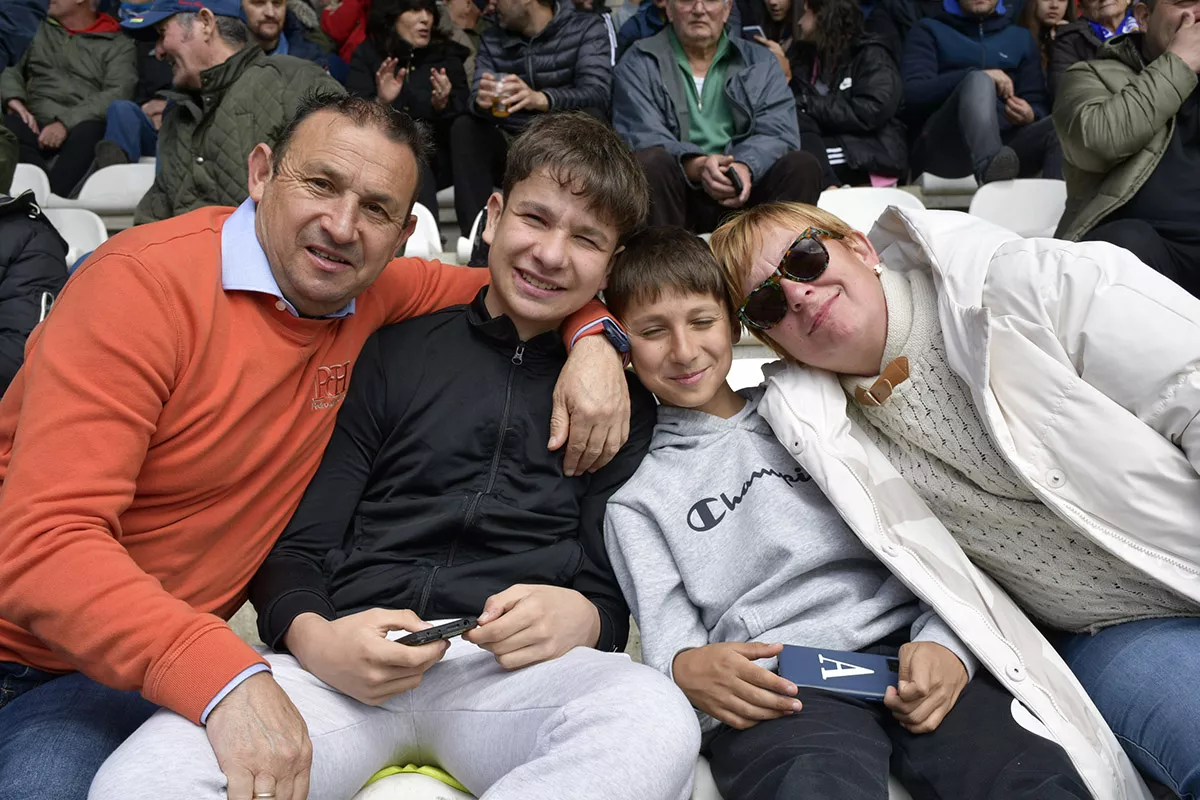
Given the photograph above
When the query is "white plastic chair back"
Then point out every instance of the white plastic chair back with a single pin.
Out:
(465, 243)
(83, 230)
(859, 207)
(112, 190)
(426, 241)
(1030, 207)
(29, 177)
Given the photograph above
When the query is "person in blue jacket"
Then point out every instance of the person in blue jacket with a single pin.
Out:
(974, 88)
(19, 20)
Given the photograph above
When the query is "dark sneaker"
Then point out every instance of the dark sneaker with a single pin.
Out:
(109, 153)
(1004, 166)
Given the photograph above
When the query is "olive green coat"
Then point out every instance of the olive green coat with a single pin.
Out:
(207, 136)
(71, 78)
(1115, 116)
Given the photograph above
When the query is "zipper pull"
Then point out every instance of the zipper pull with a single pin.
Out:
(519, 356)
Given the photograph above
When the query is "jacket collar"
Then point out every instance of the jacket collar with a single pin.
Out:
(215, 80)
(1127, 49)
(502, 334)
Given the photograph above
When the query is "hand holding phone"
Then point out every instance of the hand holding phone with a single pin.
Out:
(736, 180)
(752, 32)
(447, 630)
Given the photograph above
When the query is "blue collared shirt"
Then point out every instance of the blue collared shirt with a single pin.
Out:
(281, 46)
(244, 266)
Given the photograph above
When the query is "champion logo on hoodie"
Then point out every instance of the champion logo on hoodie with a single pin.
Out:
(702, 516)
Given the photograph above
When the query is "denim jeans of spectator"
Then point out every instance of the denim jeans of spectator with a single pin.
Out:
(963, 136)
(56, 731)
(128, 126)
(1144, 678)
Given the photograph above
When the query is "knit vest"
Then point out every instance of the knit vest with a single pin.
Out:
(930, 432)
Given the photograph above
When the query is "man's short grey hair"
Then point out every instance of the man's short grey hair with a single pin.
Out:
(231, 29)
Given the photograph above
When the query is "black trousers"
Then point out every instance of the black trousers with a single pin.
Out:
(796, 177)
(963, 136)
(1178, 261)
(480, 148)
(75, 156)
(840, 748)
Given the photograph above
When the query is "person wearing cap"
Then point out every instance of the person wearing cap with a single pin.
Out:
(56, 96)
(228, 96)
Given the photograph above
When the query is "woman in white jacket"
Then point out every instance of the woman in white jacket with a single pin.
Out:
(1039, 400)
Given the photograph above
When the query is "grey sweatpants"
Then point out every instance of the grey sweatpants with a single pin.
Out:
(586, 725)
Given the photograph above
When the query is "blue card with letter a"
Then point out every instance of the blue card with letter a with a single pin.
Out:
(859, 674)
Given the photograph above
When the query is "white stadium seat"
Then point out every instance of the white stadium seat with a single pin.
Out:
(426, 241)
(465, 243)
(946, 192)
(113, 193)
(31, 178)
(859, 207)
(83, 230)
(1030, 207)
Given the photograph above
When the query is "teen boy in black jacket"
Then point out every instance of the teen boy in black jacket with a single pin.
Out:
(437, 496)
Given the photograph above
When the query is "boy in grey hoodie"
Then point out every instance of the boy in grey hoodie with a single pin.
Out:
(725, 549)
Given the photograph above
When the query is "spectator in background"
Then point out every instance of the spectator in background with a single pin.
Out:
(346, 24)
(33, 269)
(625, 12)
(131, 126)
(9, 152)
(1099, 21)
(973, 85)
(463, 22)
(774, 17)
(848, 92)
(408, 63)
(19, 20)
(1045, 19)
(1130, 127)
(280, 33)
(570, 55)
(651, 17)
(56, 96)
(598, 8)
(722, 138)
(229, 96)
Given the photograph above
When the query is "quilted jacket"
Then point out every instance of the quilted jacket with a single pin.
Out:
(570, 60)
(206, 136)
(71, 78)
(1115, 116)
(33, 269)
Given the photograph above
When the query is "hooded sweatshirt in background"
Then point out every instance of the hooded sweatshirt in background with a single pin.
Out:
(720, 536)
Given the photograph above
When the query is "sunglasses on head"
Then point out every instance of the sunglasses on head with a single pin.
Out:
(804, 261)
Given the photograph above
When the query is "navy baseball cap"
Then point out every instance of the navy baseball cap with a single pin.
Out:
(159, 10)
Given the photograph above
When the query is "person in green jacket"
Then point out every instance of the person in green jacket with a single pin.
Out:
(227, 97)
(55, 97)
(1129, 122)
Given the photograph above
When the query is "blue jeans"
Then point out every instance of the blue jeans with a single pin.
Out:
(128, 126)
(1144, 678)
(56, 731)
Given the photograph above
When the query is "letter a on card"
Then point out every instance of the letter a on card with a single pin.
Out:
(842, 670)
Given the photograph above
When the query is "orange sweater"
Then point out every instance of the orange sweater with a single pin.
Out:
(154, 446)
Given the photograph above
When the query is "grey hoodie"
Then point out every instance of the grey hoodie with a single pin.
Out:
(720, 536)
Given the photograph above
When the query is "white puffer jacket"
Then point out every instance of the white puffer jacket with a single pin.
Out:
(1084, 366)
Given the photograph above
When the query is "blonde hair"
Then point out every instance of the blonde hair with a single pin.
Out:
(737, 242)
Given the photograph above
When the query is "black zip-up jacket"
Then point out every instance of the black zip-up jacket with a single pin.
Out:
(437, 491)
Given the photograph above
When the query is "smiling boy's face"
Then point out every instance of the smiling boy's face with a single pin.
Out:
(682, 347)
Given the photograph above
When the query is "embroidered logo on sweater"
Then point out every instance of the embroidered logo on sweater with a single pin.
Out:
(701, 517)
(330, 385)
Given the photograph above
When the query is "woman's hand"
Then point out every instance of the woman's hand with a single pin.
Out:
(441, 88)
(389, 81)
(777, 50)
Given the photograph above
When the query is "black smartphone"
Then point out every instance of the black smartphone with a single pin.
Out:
(446, 630)
(735, 179)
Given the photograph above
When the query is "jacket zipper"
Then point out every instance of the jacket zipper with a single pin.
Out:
(518, 358)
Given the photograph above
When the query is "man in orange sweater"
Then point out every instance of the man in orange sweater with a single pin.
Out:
(168, 417)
